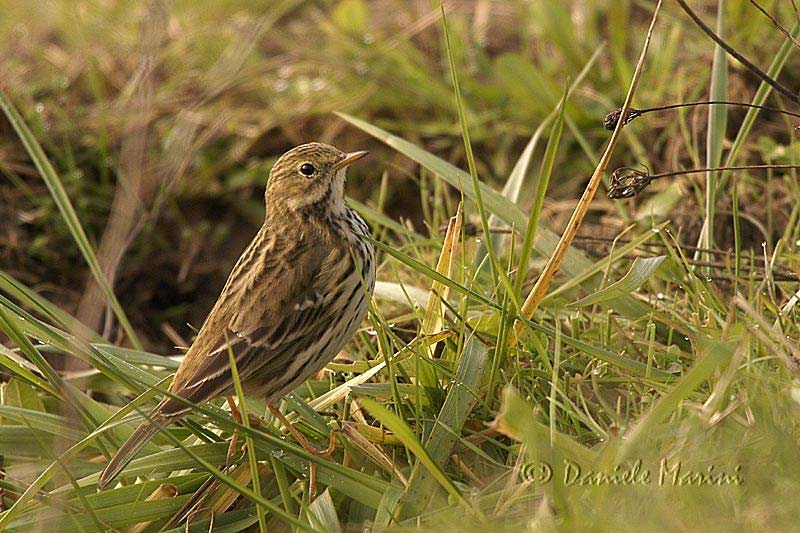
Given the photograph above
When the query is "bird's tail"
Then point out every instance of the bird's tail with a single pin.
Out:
(129, 449)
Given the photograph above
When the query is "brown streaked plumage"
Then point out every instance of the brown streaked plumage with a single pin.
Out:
(294, 298)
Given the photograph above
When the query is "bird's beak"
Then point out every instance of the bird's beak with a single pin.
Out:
(348, 158)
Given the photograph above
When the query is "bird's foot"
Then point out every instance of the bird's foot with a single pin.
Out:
(327, 453)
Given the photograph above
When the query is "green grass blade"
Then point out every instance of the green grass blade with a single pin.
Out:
(717, 124)
(64, 204)
(715, 353)
(323, 514)
(473, 171)
(516, 178)
(517, 418)
(399, 427)
(545, 171)
(641, 270)
(461, 398)
(764, 90)
(46, 308)
(251, 453)
(23, 369)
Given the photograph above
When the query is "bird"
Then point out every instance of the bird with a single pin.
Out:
(295, 297)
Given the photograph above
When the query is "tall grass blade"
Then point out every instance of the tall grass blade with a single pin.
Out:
(516, 179)
(641, 270)
(717, 124)
(399, 427)
(64, 204)
(715, 353)
(461, 398)
(545, 171)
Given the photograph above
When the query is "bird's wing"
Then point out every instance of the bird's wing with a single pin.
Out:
(274, 293)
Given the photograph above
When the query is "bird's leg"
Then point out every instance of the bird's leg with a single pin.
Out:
(327, 453)
(237, 416)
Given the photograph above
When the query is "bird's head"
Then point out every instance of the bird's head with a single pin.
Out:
(309, 176)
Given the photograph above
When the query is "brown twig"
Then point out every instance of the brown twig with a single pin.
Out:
(136, 183)
(775, 22)
(611, 119)
(739, 57)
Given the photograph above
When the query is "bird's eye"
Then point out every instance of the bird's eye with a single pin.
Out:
(307, 169)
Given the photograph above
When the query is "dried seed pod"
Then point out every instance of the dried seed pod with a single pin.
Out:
(627, 182)
(610, 122)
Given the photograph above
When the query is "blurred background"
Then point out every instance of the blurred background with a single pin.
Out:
(164, 117)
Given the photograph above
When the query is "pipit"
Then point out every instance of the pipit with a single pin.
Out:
(295, 297)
